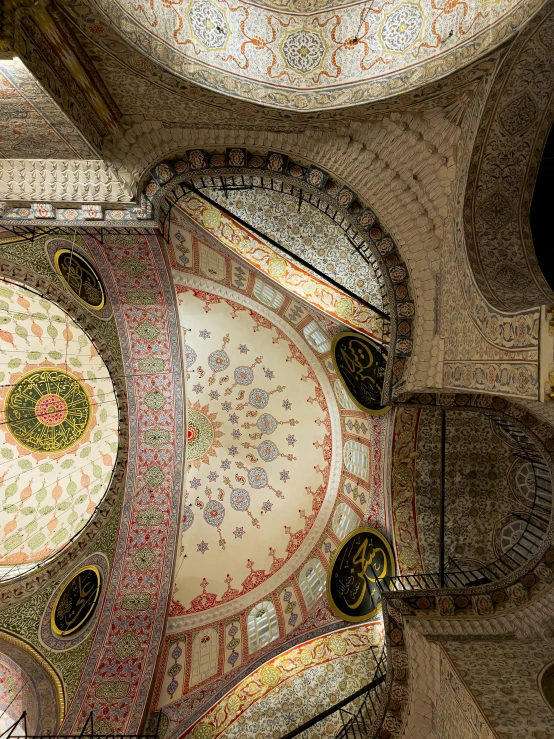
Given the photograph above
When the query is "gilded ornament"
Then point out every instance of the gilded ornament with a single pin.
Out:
(211, 218)
(337, 644)
(270, 676)
(277, 267)
(48, 410)
(76, 601)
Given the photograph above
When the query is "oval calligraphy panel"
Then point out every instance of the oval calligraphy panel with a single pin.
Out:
(80, 277)
(361, 365)
(76, 601)
(361, 559)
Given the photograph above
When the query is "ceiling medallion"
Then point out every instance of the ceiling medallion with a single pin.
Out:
(76, 602)
(47, 410)
(361, 365)
(361, 559)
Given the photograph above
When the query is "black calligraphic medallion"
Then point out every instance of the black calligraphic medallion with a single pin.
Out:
(361, 559)
(361, 365)
(80, 277)
(76, 602)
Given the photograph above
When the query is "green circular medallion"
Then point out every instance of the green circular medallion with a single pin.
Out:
(47, 410)
(200, 435)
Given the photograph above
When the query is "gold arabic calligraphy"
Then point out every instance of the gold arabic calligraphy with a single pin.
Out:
(77, 601)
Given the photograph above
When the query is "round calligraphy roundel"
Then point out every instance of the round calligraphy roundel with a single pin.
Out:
(76, 602)
(361, 559)
(47, 410)
(361, 364)
(80, 277)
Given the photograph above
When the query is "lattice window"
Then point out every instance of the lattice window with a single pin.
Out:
(312, 582)
(512, 532)
(343, 397)
(212, 264)
(345, 520)
(525, 481)
(356, 459)
(262, 626)
(316, 338)
(267, 295)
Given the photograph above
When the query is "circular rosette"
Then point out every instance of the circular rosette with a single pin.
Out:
(200, 435)
(48, 410)
(258, 398)
(244, 375)
(214, 513)
(266, 423)
(187, 520)
(218, 360)
(190, 356)
(268, 451)
(257, 477)
(240, 500)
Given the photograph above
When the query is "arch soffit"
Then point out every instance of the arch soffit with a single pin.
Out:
(21, 587)
(504, 163)
(340, 202)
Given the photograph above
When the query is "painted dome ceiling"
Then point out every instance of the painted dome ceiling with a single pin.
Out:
(58, 430)
(310, 55)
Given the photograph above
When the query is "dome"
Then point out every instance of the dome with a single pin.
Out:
(312, 55)
(58, 430)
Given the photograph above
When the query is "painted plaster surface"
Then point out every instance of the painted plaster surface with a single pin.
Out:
(31, 124)
(319, 59)
(259, 447)
(295, 686)
(58, 430)
(307, 232)
(274, 265)
(502, 677)
(223, 285)
(456, 714)
(117, 676)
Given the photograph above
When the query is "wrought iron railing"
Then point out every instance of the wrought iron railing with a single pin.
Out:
(356, 714)
(87, 732)
(536, 519)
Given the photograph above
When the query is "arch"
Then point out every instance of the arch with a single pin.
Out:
(517, 118)
(546, 685)
(30, 684)
(164, 185)
(262, 626)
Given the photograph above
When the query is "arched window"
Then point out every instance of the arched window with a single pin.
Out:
(262, 626)
(267, 295)
(356, 459)
(312, 581)
(343, 397)
(345, 520)
(512, 532)
(316, 338)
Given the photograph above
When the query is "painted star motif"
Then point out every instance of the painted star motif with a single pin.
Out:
(226, 406)
(204, 334)
(243, 349)
(287, 405)
(198, 388)
(214, 395)
(291, 439)
(238, 532)
(233, 451)
(284, 475)
(195, 483)
(236, 434)
(234, 418)
(202, 547)
(269, 374)
(267, 506)
(226, 464)
(212, 477)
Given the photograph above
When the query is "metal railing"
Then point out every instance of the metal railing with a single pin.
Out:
(87, 732)
(536, 519)
(355, 714)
